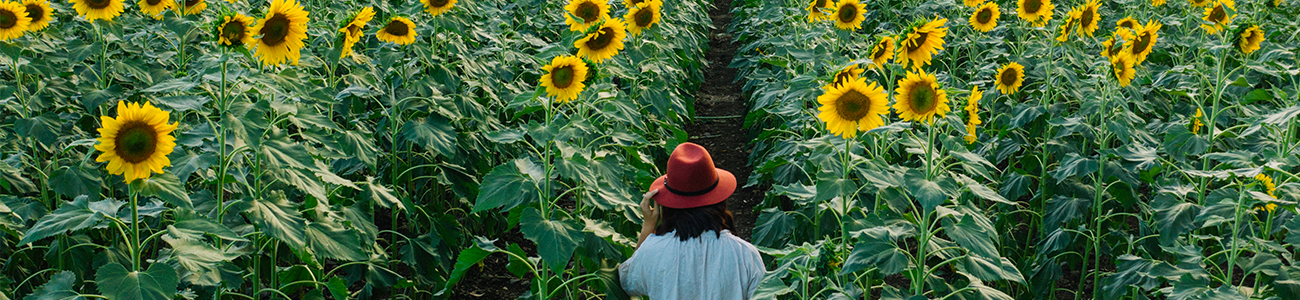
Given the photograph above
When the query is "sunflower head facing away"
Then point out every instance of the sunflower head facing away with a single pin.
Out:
(1127, 22)
(819, 10)
(849, 14)
(155, 8)
(852, 107)
(848, 74)
(564, 77)
(1269, 187)
(353, 30)
(282, 32)
(1090, 17)
(919, 98)
(985, 18)
(398, 30)
(1010, 77)
(973, 105)
(882, 52)
(137, 142)
(39, 13)
(437, 7)
(923, 42)
(1122, 65)
(1196, 121)
(234, 30)
(643, 15)
(1218, 15)
(972, 3)
(1072, 20)
(582, 14)
(1199, 3)
(1249, 38)
(192, 7)
(1157, 3)
(1143, 41)
(603, 43)
(13, 20)
(98, 9)
(1036, 12)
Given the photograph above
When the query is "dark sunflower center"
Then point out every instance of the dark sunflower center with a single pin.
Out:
(843, 77)
(852, 105)
(152, 2)
(820, 3)
(848, 13)
(922, 98)
(354, 30)
(1032, 6)
(8, 19)
(192, 3)
(98, 4)
(588, 11)
(880, 50)
(233, 31)
(36, 12)
(643, 17)
(397, 28)
(635, 2)
(1217, 15)
(984, 16)
(1142, 42)
(562, 77)
(439, 3)
(1008, 77)
(136, 141)
(276, 30)
(918, 41)
(1086, 20)
(1126, 24)
(603, 38)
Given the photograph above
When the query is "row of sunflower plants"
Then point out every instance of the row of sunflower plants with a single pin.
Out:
(339, 149)
(1024, 149)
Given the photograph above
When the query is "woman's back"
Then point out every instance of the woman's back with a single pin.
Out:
(711, 266)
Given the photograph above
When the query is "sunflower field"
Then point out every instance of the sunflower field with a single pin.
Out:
(1027, 149)
(311, 149)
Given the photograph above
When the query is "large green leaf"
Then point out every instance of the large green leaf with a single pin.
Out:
(167, 187)
(555, 239)
(1174, 217)
(58, 288)
(279, 219)
(335, 241)
(971, 236)
(74, 181)
(927, 192)
(116, 283)
(507, 186)
(433, 133)
(774, 227)
(993, 268)
(74, 216)
(379, 194)
(467, 259)
(1074, 165)
(877, 247)
(356, 145)
(200, 263)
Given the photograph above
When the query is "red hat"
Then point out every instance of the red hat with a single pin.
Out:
(692, 181)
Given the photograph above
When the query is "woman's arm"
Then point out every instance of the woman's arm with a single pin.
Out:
(650, 210)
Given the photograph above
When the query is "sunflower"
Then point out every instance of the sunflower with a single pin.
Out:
(1218, 16)
(919, 98)
(1157, 3)
(155, 8)
(1249, 38)
(849, 14)
(587, 12)
(137, 142)
(1037, 12)
(1196, 121)
(1010, 77)
(1269, 187)
(13, 20)
(282, 32)
(817, 10)
(972, 111)
(1070, 22)
(563, 78)
(923, 42)
(985, 18)
(352, 31)
(1199, 3)
(604, 43)
(846, 75)
(1267, 208)
(98, 9)
(882, 52)
(193, 7)
(632, 3)
(234, 31)
(1275, 3)
(852, 107)
(643, 15)
(39, 13)
(398, 30)
(437, 7)
(1090, 18)
(1127, 22)
(1143, 41)
(1122, 66)
(972, 3)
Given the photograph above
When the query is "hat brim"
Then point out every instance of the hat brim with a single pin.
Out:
(726, 186)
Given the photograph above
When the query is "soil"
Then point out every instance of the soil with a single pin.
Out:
(720, 110)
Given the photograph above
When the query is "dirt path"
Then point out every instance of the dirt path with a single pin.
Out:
(720, 117)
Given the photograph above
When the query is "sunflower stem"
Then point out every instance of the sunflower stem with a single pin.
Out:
(103, 57)
(135, 227)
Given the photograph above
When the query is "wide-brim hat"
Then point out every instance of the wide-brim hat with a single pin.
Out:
(692, 180)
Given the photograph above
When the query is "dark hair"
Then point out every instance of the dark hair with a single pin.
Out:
(692, 222)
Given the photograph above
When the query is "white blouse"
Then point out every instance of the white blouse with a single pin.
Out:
(710, 267)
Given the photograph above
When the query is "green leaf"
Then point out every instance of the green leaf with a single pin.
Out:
(380, 194)
(555, 239)
(774, 227)
(174, 85)
(358, 146)
(167, 187)
(993, 268)
(1074, 165)
(186, 165)
(771, 287)
(929, 193)
(829, 188)
(44, 129)
(467, 259)
(876, 248)
(335, 241)
(73, 182)
(157, 283)
(434, 133)
(279, 219)
(338, 288)
(200, 262)
(58, 288)
(71, 217)
(1181, 143)
(1174, 217)
(982, 191)
(971, 236)
(506, 186)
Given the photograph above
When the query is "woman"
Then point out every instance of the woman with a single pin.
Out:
(686, 249)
